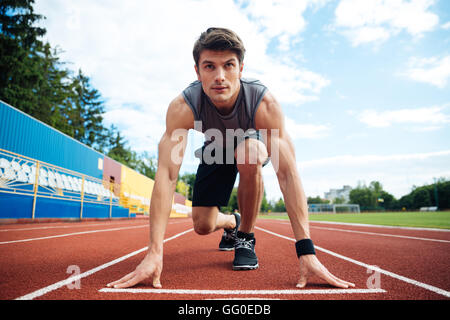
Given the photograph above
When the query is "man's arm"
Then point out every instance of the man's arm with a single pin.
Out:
(281, 150)
(171, 149)
(179, 120)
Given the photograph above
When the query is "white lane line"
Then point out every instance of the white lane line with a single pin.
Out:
(367, 225)
(381, 234)
(79, 225)
(367, 266)
(72, 279)
(59, 227)
(72, 234)
(380, 226)
(243, 292)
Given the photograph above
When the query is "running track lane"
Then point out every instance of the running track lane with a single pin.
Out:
(193, 262)
(31, 265)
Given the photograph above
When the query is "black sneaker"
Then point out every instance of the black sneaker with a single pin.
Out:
(229, 235)
(244, 254)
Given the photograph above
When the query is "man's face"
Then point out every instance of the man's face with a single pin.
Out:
(220, 74)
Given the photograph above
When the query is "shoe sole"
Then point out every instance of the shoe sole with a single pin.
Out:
(246, 267)
(226, 249)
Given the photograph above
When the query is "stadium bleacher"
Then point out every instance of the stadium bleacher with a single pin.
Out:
(14, 172)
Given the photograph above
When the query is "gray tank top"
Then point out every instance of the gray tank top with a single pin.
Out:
(242, 116)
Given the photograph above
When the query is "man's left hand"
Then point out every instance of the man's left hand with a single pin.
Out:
(310, 265)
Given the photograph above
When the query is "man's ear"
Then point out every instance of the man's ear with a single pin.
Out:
(241, 68)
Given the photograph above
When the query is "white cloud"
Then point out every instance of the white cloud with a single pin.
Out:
(432, 116)
(290, 84)
(140, 52)
(375, 21)
(277, 17)
(280, 18)
(446, 26)
(396, 172)
(434, 70)
(367, 34)
(354, 160)
(143, 130)
(305, 131)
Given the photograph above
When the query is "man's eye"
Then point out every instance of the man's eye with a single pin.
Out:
(229, 65)
(209, 66)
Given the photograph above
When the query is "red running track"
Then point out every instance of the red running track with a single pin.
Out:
(37, 261)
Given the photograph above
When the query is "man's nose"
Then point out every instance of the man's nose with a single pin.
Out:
(220, 75)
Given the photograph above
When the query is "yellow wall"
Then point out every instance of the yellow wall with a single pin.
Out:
(137, 188)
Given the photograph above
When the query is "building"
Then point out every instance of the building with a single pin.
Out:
(343, 193)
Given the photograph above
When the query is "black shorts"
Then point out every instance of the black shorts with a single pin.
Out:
(214, 182)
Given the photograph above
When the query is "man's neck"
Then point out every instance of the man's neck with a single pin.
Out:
(227, 107)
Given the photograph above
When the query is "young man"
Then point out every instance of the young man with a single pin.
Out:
(218, 101)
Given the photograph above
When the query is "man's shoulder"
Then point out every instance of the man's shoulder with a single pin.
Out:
(193, 85)
(252, 82)
(180, 114)
(254, 90)
(192, 92)
(269, 114)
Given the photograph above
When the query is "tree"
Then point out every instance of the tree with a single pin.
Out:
(182, 188)
(52, 92)
(389, 201)
(20, 61)
(33, 79)
(317, 200)
(85, 112)
(279, 206)
(339, 200)
(232, 203)
(147, 165)
(189, 179)
(372, 197)
(362, 196)
(376, 190)
(264, 203)
(443, 191)
(118, 149)
(421, 198)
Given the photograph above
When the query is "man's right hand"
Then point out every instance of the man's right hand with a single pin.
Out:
(150, 267)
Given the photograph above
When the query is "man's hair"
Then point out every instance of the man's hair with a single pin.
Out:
(219, 39)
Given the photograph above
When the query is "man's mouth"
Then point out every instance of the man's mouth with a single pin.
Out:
(219, 88)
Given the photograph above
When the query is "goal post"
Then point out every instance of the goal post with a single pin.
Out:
(346, 208)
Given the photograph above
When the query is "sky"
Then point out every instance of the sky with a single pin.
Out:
(364, 84)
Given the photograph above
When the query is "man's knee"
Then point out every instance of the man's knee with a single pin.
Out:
(203, 229)
(250, 156)
(203, 225)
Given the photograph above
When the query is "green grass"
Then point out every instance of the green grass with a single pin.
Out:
(439, 220)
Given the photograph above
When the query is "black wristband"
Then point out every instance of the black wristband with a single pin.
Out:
(304, 247)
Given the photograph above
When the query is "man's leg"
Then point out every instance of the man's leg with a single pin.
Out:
(250, 154)
(212, 189)
(250, 195)
(208, 219)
